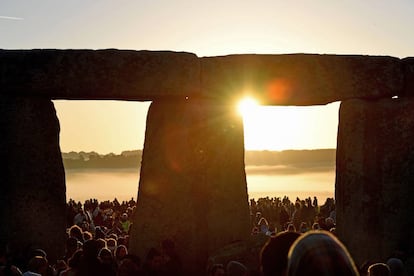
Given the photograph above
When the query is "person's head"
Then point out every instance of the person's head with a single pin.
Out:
(99, 233)
(396, 266)
(129, 266)
(113, 236)
(111, 243)
(87, 236)
(38, 264)
(91, 249)
(291, 227)
(217, 270)
(329, 222)
(320, 253)
(235, 268)
(255, 230)
(38, 252)
(123, 240)
(101, 243)
(75, 260)
(71, 245)
(120, 252)
(124, 217)
(274, 254)
(105, 255)
(154, 259)
(303, 227)
(76, 232)
(378, 269)
(263, 225)
(85, 225)
(316, 226)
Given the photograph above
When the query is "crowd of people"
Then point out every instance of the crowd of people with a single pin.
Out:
(300, 241)
(271, 214)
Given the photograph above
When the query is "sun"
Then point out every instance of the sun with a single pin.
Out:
(247, 106)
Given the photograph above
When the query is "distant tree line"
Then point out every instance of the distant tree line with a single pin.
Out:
(132, 159)
(93, 160)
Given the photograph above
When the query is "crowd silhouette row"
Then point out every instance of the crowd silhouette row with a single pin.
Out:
(300, 240)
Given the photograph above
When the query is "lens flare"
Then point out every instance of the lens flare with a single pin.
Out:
(247, 106)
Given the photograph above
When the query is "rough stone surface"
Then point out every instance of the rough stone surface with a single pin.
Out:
(294, 79)
(32, 177)
(98, 74)
(374, 176)
(408, 65)
(301, 79)
(193, 185)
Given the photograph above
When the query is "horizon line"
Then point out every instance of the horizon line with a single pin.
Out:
(246, 150)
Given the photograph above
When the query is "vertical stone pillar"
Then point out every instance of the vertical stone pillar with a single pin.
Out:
(32, 191)
(193, 185)
(374, 177)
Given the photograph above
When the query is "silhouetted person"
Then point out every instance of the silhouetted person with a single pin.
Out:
(378, 269)
(76, 232)
(120, 252)
(291, 228)
(108, 262)
(73, 264)
(71, 247)
(37, 266)
(130, 266)
(172, 262)
(153, 263)
(90, 264)
(320, 253)
(274, 254)
(6, 266)
(396, 266)
(217, 270)
(235, 268)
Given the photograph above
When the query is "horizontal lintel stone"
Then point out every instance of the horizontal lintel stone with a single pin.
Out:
(99, 74)
(301, 79)
(291, 79)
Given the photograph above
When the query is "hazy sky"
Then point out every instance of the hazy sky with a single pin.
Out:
(206, 28)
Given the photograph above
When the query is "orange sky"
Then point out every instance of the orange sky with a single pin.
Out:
(206, 28)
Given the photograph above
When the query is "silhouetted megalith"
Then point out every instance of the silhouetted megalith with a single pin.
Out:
(295, 79)
(374, 177)
(301, 79)
(408, 65)
(192, 185)
(33, 194)
(99, 74)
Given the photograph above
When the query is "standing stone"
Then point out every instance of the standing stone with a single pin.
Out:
(374, 177)
(32, 191)
(193, 185)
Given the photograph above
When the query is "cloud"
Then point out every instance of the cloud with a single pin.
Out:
(11, 17)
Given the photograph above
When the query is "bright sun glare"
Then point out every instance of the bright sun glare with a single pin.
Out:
(247, 106)
(287, 127)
